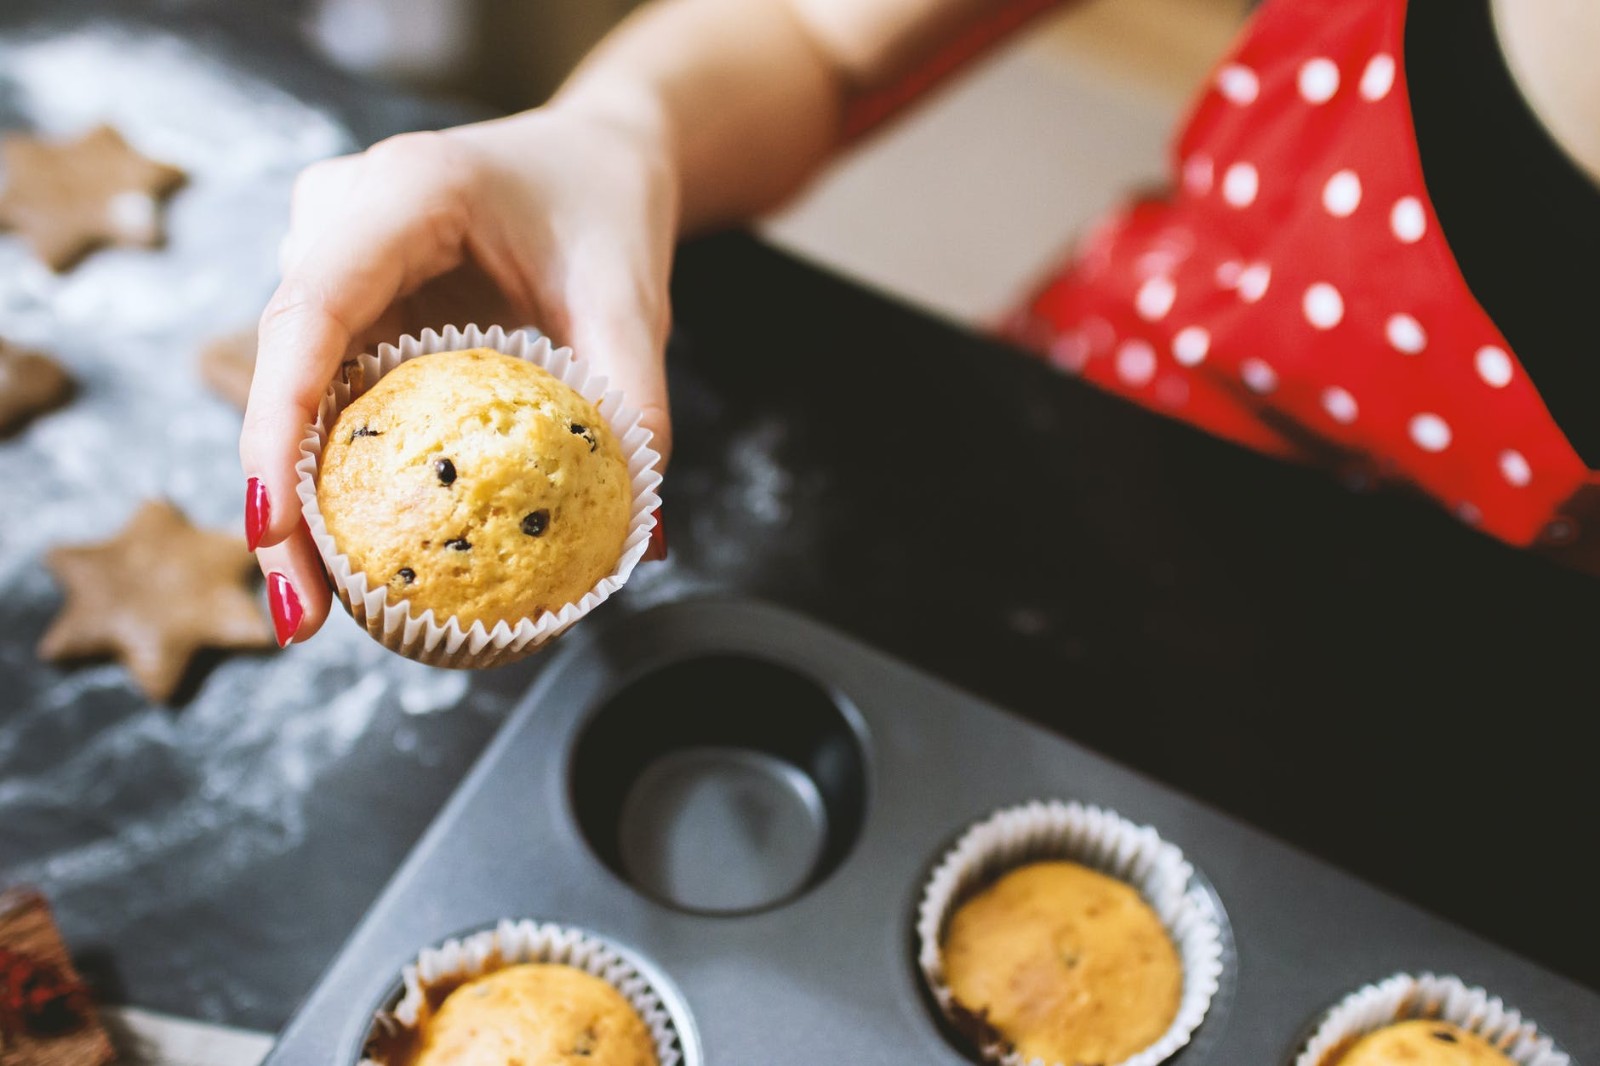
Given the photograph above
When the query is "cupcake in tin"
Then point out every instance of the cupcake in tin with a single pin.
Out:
(1056, 933)
(525, 992)
(1427, 1020)
(474, 493)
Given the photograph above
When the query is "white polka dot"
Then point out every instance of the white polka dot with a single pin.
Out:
(1407, 219)
(1155, 298)
(1239, 84)
(1198, 174)
(1430, 432)
(1342, 195)
(1514, 468)
(1378, 78)
(1468, 513)
(1323, 305)
(1406, 334)
(1340, 405)
(1258, 376)
(1070, 351)
(1191, 345)
(1228, 272)
(1240, 185)
(1494, 366)
(1319, 80)
(1253, 282)
(1136, 363)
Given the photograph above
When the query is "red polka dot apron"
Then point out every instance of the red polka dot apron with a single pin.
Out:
(1294, 292)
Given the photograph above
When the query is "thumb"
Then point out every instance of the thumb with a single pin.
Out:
(628, 346)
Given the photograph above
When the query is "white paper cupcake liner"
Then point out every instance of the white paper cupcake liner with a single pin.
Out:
(1404, 997)
(510, 943)
(448, 643)
(1105, 842)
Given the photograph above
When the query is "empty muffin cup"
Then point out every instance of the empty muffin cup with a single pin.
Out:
(1408, 997)
(390, 617)
(438, 971)
(1103, 842)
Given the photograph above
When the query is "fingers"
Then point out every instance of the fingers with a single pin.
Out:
(620, 320)
(364, 235)
(297, 591)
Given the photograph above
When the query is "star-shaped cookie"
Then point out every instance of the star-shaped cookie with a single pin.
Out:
(68, 198)
(30, 384)
(152, 596)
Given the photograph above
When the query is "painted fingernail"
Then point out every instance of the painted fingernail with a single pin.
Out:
(257, 512)
(285, 605)
(657, 550)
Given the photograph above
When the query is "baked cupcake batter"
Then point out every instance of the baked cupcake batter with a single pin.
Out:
(1066, 964)
(478, 485)
(1423, 1043)
(537, 1014)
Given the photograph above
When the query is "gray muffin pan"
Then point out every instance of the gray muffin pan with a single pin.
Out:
(750, 803)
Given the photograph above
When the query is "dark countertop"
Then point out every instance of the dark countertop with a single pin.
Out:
(1357, 674)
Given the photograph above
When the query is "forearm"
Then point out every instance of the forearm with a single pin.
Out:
(748, 98)
(742, 102)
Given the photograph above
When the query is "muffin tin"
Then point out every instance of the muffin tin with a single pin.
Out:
(751, 805)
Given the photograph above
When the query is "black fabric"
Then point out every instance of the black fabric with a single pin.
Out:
(1521, 217)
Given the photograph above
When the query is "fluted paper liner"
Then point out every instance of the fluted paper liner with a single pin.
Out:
(1103, 841)
(1405, 997)
(511, 943)
(447, 643)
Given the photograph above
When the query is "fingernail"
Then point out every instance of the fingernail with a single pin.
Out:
(286, 609)
(657, 550)
(257, 512)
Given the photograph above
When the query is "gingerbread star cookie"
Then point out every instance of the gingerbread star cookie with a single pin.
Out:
(227, 364)
(30, 384)
(68, 198)
(153, 596)
(46, 1016)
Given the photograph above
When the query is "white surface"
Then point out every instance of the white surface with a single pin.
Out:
(147, 1039)
(961, 205)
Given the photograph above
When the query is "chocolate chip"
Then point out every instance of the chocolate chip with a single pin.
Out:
(366, 431)
(406, 574)
(459, 544)
(534, 524)
(1445, 1035)
(446, 471)
(586, 433)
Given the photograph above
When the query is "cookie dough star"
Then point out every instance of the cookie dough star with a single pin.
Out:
(68, 198)
(30, 384)
(152, 596)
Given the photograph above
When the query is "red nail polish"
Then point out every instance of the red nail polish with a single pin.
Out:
(657, 549)
(286, 609)
(257, 512)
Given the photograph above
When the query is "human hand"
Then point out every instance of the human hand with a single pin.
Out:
(561, 218)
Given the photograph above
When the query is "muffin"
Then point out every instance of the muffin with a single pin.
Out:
(1065, 964)
(534, 1014)
(1422, 1042)
(476, 485)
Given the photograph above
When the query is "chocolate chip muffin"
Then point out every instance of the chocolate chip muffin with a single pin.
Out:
(533, 1013)
(1422, 1043)
(477, 485)
(1063, 964)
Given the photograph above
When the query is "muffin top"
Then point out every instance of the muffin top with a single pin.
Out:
(1423, 1043)
(478, 485)
(535, 1013)
(1067, 965)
